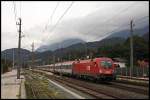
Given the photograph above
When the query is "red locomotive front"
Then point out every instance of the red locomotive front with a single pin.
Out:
(98, 68)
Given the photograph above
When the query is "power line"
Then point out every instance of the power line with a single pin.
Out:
(20, 9)
(15, 10)
(147, 16)
(114, 30)
(95, 27)
(127, 8)
(15, 14)
(62, 16)
(26, 44)
(52, 15)
(141, 19)
(116, 15)
(124, 26)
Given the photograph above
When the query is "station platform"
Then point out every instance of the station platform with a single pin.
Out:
(11, 87)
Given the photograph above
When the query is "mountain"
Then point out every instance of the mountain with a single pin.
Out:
(48, 56)
(8, 54)
(85, 48)
(71, 52)
(146, 36)
(126, 33)
(96, 44)
(63, 44)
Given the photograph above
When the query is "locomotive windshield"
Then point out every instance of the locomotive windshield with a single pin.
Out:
(106, 64)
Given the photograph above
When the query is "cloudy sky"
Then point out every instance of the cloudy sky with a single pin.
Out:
(86, 20)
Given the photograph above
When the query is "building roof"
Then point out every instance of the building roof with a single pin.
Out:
(119, 59)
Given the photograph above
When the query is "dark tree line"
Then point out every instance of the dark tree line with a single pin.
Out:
(121, 49)
(6, 65)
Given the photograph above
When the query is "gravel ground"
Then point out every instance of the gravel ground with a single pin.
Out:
(116, 91)
(121, 93)
(60, 93)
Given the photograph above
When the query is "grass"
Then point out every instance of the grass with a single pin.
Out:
(42, 86)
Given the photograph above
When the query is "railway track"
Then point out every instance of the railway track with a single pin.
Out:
(132, 83)
(89, 90)
(85, 89)
(125, 85)
(115, 86)
(133, 78)
(95, 90)
(132, 88)
(120, 81)
(30, 86)
(141, 89)
(37, 91)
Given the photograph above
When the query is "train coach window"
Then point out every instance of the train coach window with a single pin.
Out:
(67, 66)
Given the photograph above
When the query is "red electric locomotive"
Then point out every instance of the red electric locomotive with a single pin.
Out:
(98, 68)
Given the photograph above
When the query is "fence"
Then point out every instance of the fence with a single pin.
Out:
(136, 72)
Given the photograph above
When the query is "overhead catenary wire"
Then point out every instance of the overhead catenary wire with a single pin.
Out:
(51, 16)
(125, 26)
(20, 9)
(15, 14)
(95, 27)
(27, 42)
(62, 16)
(147, 16)
(56, 24)
(120, 12)
(14, 5)
(140, 19)
(116, 15)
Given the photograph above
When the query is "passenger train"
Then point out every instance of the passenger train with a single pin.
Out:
(99, 68)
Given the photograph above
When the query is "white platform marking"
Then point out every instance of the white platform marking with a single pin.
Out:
(74, 94)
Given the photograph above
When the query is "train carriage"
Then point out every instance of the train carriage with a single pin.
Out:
(98, 68)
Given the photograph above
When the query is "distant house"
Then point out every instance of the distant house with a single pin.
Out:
(143, 63)
(120, 62)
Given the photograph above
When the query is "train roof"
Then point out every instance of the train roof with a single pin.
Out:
(83, 61)
(64, 63)
(95, 59)
(103, 58)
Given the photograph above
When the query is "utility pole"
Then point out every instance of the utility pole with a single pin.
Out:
(5, 57)
(13, 58)
(131, 47)
(69, 56)
(54, 62)
(85, 50)
(19, 46)
(32, 54)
